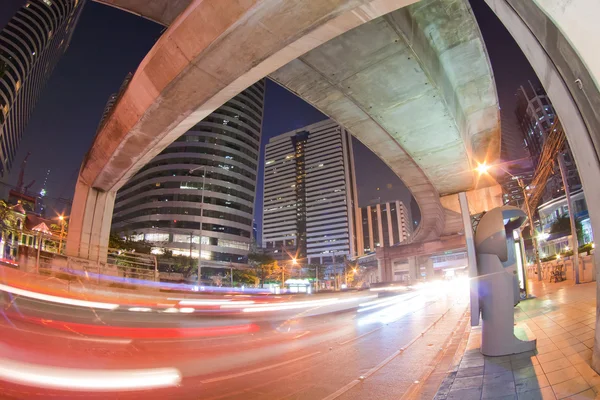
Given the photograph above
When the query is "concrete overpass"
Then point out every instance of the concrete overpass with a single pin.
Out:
(558, 38)
(414, 85)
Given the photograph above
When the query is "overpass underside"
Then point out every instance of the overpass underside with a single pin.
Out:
(415, 86)
(409, 79)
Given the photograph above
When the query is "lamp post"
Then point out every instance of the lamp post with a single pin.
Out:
(201, 216)
(61, 218)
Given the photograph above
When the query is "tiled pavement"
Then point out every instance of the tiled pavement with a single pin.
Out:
(562, 317)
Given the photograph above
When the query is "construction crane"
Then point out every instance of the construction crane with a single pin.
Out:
(20, 187)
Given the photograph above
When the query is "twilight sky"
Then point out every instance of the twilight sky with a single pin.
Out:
(109, 43)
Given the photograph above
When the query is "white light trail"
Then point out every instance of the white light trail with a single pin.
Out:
(56, 299)
(51, 377)
(140, 309)
(213, 302)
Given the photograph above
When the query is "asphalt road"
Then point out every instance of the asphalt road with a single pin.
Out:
(352, 347)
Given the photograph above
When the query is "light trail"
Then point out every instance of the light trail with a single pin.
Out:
(51, 377)
(56, 299)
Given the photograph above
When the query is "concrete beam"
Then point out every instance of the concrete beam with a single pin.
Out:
(445, 243)
(416, 87)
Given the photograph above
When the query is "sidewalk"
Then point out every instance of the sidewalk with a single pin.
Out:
(562, 318)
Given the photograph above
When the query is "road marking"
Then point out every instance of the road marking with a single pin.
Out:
(253, 371)
(382, 364)
(302, 334)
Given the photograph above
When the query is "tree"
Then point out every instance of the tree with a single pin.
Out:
(563, 225)
(264, 266)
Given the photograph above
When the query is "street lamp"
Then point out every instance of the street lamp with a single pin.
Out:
(201, 215)
(483, 169)
(61, 218)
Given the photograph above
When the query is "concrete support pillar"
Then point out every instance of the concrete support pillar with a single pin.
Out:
(428, 262)
(413, 269)
(384, 269)
(89, 223)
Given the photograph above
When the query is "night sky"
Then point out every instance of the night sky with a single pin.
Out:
(109, 43)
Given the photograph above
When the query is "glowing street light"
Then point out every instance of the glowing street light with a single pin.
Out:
(482, 168)
(294, 261)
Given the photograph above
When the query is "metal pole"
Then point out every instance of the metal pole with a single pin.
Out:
(62, 232)
(37, 260)
(534, 241)
(574, 241)
(231, 276)
(317, 278)
(200, 237)
(471, 257)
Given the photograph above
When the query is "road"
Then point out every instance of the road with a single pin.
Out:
(340, 346)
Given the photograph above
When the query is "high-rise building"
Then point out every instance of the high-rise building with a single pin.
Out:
(216, 161)
(535, 115)
(310, 194)
(383, 225)
(31, 44)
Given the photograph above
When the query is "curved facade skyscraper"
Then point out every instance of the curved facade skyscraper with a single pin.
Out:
(162, 202)
(31, 44)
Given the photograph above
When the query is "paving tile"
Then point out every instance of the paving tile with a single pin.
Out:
(467, 382)
(493, 390)
(572, 349)
(555, 365)
(588, 374)
(562, 375)
(516, 364)
(575, 326)
(521, 356)
(587, 394)
(493, 368)
(538, 394)
(473, 371)
(551, 356)
(559, 338)
(570, 387)
(576, 359)
(528, 372)
(589, 343)
(528, 384)
(546, 349)
(471, 363)
(464, 394)
(498, 377)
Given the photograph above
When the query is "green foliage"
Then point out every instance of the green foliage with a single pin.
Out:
(264, 267)
(118, 243)
(563, 225)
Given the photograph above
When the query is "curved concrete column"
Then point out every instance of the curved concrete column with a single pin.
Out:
(558, 41)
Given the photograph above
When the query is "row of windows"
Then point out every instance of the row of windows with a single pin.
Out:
(233, 124)
(195, 163)
(187, 198)
(219, 142)
(183, 211)
(200, 128)
(187, 185)
(194, 239)
(186, 173)
(191, 225)
(209, 151)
